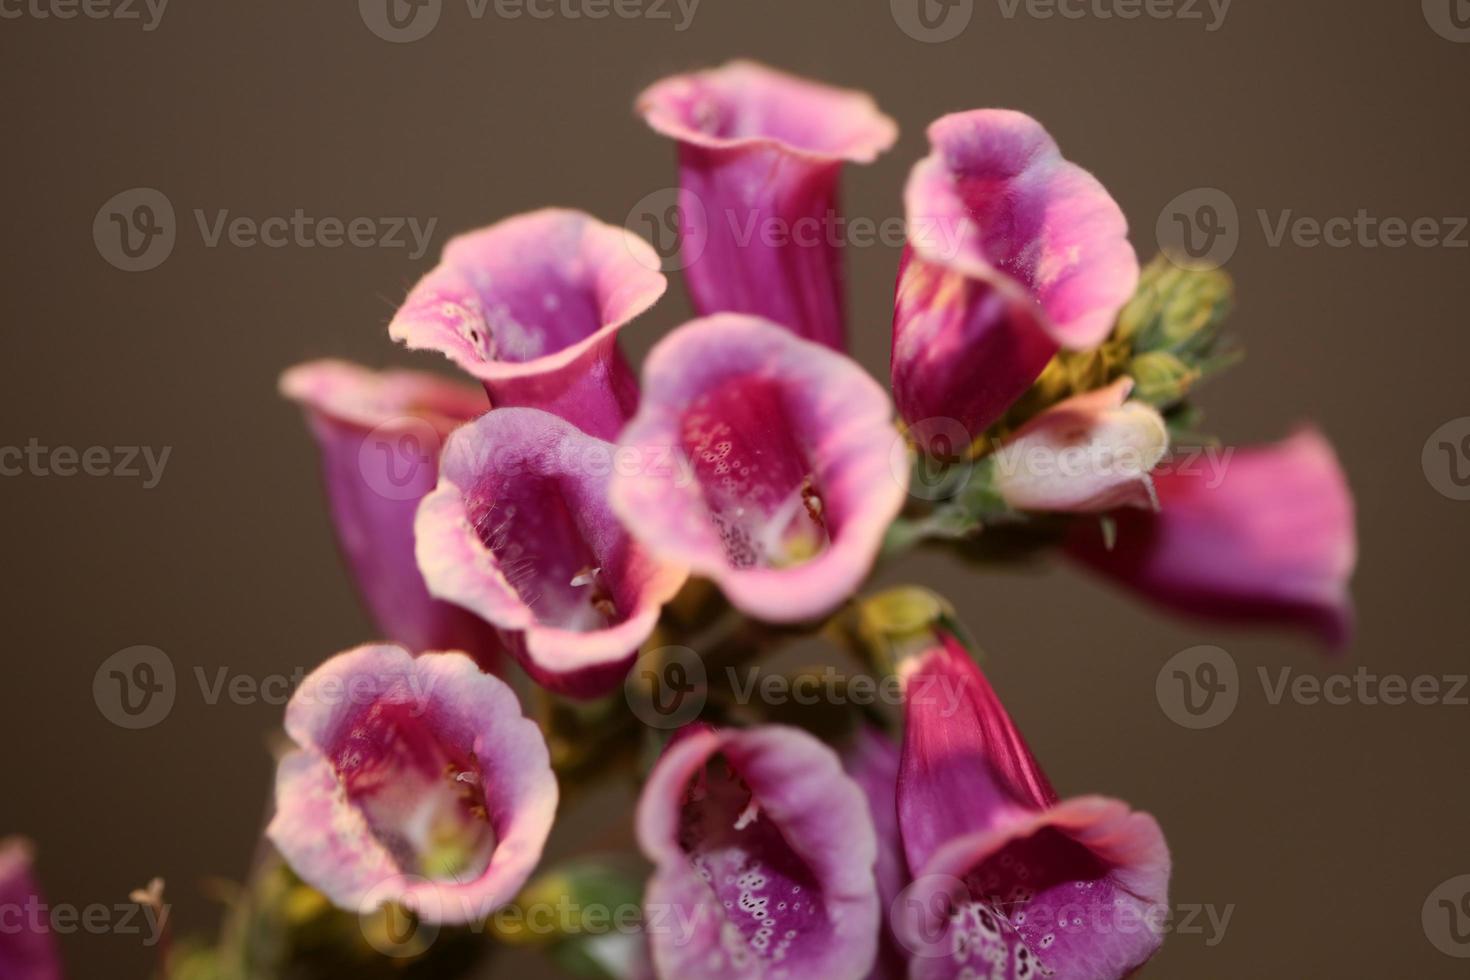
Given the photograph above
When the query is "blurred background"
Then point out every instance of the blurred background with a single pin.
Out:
(1323, 829)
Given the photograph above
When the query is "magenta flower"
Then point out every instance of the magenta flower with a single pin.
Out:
(1014, 253)
(27, 945)
(519, 532)
(785, 490)
(763, 856)
(532, 307)
(380, 436)
(414, 781)
(872, 761)
(1090, 453)
(760, 159)
(1269, 538)
(1008, 880)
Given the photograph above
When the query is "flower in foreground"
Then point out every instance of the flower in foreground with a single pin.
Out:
(532, 307)
(519, 532)
(1008, 880)
(1268, 539)
(415, 781)
(27, 945)
(760, 158)
(380, 436)
(788, 489)
(763, 855)
(1014, 253)
(872, 761)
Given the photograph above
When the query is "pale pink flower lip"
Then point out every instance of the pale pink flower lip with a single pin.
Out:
(414, 780)
(532, 306)
(763, 855)
(786, 489)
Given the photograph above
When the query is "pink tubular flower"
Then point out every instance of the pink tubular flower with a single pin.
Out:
(520, 533)
(872, 762)
(1268, 538)
(1013, 254)
(27, 946)
(532, 307)
(787, 490)
(763, 856)
(760, 157)
(1091, 453)
(380, 436)
(414, 781)
(1009, 881)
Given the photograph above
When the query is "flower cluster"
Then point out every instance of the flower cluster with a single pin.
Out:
(565, 515)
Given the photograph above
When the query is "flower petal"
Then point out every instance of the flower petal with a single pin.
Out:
(872, 761)
(532, 307)
(783, 490)
(416, 781)
(27, 944)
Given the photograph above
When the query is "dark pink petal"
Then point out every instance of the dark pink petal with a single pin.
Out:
(1008, 881)
(380, 435)
(1014, 253)
(872, 761)
(1269, 539)
(415, 781)
(532, 307)
(27, 945)
(760, 158)
(782, 489)
(763, 852)
(519, 532)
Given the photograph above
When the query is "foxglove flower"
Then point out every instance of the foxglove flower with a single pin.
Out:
(1014, 253)
(413, 781)
(532, 307)
(787, 490)
(1091, 453)
(1269, 538)
(520, 533)
(380, 435)
(763, 856)
(1008, 880)
(872, 761)
(27, 946)
(760, 159)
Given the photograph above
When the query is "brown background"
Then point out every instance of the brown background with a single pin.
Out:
(1325, 827)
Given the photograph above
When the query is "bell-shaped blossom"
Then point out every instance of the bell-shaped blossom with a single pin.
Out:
(519, 532)
(532, 307)
(763, 854)
(784, 490)
(380, 435)
(760, 160)
(27, 945)
(1263, 535)
(1008, 880)
(1088, 454)
(1014, 253)
(872, 761)
(414, 781)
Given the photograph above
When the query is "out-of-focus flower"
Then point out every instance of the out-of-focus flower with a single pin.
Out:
(380, 435)
(760, 158)
(519, 532)
(1014, 253)
(1091, 453)
(763, 851)
(532, 307)
(872, 761)
(415, 781)
(27, 946)
(1268, 538)
(788, 489)
(1008, 880)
